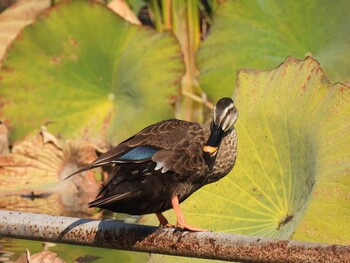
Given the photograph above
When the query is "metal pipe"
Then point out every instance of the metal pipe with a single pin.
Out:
(210, 245)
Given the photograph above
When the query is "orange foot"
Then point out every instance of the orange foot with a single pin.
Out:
(181, 223)
(163, 222)
(185, 226)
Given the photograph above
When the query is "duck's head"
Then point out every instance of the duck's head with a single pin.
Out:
(224, 117)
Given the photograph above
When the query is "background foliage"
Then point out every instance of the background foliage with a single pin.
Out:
(80, 74)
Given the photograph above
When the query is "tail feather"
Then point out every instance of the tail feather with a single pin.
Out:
(111, 176)
(82, 169)
(110, 199)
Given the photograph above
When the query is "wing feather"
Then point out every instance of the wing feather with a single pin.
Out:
(167, 140)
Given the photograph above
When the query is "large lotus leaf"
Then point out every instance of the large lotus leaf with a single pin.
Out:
(91, 73)
(292, 171)
(327, 215)
(260, 34)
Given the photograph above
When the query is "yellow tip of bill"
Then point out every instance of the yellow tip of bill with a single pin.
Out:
(210, 149)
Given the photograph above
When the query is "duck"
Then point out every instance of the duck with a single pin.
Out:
(162, 165)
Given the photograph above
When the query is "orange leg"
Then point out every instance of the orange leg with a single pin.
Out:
(180, 217)
(163, 222)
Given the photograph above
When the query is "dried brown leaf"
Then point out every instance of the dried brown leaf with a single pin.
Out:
(31, 176)
(49, 138)
(42, 257)
(121, 8)
(16, 17)
(32, 164)
(4, 142)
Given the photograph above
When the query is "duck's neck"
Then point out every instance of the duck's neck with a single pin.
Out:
(212, 145)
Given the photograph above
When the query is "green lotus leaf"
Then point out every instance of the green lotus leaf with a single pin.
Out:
(293, 129)
(260, 34)
(327, 215)
(91, 73)
(135, 5)
(292, 170)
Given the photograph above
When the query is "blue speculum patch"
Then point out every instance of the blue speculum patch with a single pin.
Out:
(138, 153)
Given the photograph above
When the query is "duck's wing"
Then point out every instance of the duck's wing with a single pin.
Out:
(162, 142)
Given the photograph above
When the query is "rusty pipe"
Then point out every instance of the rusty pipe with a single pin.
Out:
(210, 245)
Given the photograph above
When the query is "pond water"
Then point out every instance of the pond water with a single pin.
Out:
(12, 249)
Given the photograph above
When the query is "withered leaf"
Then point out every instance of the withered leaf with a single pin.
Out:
(31, 176)
(4, 142)
(42, 257)
(16, 17)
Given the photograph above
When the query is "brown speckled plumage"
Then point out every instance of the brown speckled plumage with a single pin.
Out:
(172, 163)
